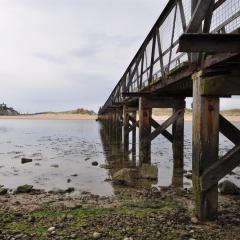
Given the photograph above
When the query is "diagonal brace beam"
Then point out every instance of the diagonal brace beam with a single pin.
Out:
(221, 168)
(165, 125)
(229, 130)
(202, 8)
(165, 133)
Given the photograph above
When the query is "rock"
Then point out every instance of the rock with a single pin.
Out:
(95, 163)
(74, 175)
(51, 229)
(188, 176)
(228, 187)
(24, 189)
(124, 176)
(69, 180)
(105, 166)
(54, 165)
(194, 220)
(31, 219)
(26, 160)
(69, 190)
(3, 191)
(96, 235)
(128, 238)
(147, 171)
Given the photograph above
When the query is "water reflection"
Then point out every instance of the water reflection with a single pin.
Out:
(125, 163)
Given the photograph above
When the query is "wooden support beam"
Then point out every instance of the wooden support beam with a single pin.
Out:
(220, 85)
(135, 94)
(163, 102)
(229, 130)
(164, 125)
(209, 43)
(165, 133)
(205, 148)
(144, 131)
(220, 168)
(178, 148)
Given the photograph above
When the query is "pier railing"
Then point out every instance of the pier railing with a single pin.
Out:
(158, 55)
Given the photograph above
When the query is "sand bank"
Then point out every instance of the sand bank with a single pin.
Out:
(52, 116)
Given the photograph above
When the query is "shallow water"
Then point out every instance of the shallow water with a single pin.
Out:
(73, 146)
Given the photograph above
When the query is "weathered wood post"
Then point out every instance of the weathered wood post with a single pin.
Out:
(125, 129)
(205, 146)
(178, 146)
(145, 113)
(134, 127)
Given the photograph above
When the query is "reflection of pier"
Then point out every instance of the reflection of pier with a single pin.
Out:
(175, 61)
(118, 157)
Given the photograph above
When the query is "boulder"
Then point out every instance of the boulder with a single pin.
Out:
(124, 176)
(3, 191)
(147, 171)
(227, 187)
(24, 189)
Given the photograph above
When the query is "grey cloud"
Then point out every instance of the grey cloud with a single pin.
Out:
(50, 58)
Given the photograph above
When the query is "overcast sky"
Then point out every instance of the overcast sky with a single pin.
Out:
(64, 54)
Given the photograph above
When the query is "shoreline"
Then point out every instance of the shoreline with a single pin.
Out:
(52, 116)
(64, 116)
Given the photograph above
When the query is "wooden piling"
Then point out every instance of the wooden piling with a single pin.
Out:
(205, 147)
(145, 113)
(125, 129)
(178, 147)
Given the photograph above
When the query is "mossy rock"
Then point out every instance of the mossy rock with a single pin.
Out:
(24, 189)
(3, 191)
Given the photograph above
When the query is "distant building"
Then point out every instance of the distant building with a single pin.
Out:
(3, 106)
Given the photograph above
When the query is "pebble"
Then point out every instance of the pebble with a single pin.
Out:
(51, 229)
(194, 220)
(96, 235)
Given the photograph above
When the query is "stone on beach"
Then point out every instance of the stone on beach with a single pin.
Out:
(124, 176)
(24, 189)
(147, 171)
(3, 191)
(228, 187)
(95, 163)
(26, 160)
(55, 165)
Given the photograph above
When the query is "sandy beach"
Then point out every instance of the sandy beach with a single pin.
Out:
(52, 116)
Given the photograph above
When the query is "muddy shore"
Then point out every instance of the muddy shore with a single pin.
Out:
(130, 214)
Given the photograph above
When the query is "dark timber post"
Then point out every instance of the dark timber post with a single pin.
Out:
(134, 115)
(178, 147)
(205, 146)
(125, 129)
(145, 113)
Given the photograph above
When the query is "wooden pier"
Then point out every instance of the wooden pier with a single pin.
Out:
(193, 50)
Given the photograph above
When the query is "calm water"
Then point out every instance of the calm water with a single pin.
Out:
(73, 146)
